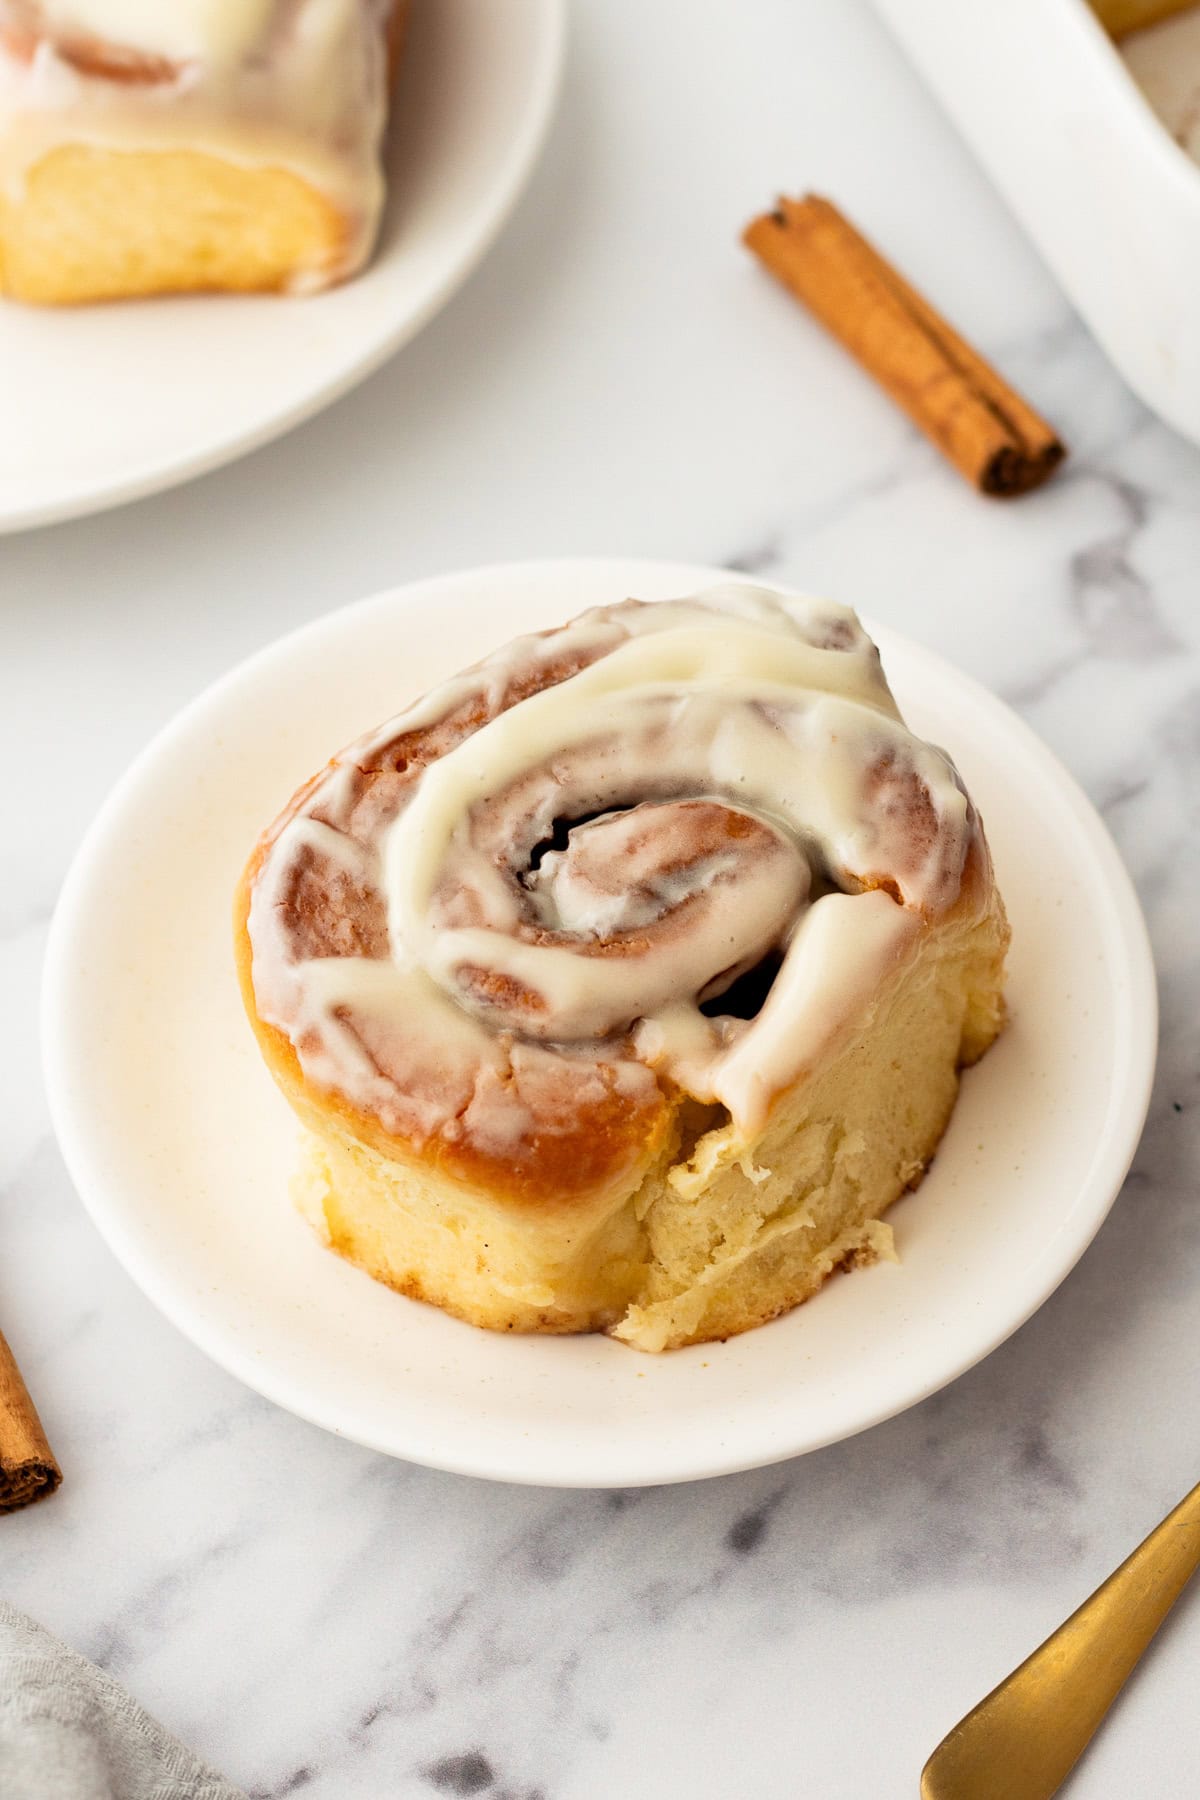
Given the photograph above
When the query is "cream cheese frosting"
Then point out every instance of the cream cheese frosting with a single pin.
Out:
(219, 31)
(574, 851)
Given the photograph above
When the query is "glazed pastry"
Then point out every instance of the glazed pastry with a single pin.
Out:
(160, 146)
(623, 982)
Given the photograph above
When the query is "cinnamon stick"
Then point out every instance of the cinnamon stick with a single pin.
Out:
(990, 434)
(28, 1471)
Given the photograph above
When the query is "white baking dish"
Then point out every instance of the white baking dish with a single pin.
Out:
(1042, 96)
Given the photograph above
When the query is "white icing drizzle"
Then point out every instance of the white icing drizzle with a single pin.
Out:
(564, 885)
(293, 84)
(220, 30)
(838, 954)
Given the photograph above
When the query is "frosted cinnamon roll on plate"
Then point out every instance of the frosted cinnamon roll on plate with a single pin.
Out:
(165, 146)
(622, 983)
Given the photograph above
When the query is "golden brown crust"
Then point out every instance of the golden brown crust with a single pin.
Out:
(584, 1153)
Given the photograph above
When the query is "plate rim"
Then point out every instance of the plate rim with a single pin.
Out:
(157, 475)
(1099, 1185)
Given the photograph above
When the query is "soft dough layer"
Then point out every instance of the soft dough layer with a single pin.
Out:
(686, 1172)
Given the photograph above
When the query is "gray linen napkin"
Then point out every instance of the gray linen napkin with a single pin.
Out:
(69, 1732)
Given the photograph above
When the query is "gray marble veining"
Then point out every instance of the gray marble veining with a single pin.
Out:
(318, 1620)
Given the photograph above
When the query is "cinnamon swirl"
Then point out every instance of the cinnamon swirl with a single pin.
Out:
(156, 146)
(623, 981)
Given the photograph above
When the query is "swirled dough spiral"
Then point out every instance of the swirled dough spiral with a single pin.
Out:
(510, 935)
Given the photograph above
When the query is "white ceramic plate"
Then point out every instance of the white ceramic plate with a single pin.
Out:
(182, 1148)
(1094, 176)
(116, 402)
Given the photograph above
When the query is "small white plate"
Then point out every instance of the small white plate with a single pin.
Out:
(116, 402)
(182, 1148)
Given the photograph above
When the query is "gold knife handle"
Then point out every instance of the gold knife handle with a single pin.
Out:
(1022, 1742)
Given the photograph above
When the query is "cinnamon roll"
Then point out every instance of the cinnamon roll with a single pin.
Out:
(155, 146)
(623, 982)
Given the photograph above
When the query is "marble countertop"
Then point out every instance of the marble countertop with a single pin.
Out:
(619, 378)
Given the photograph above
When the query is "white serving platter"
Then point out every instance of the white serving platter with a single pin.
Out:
(1043, 98)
